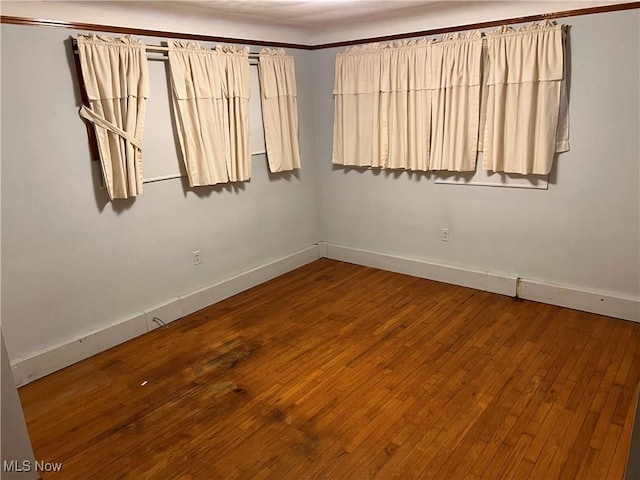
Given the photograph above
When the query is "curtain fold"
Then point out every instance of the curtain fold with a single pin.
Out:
(359, 127)
(210, 95)
(277, 75)
(237, 96)
(406, 101)
(527, 114)
(411, 104)
(116, 79)
(455, 101)
(382, 106)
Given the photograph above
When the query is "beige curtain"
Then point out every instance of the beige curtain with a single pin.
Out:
(406, 102)
(116, 79)
(210, 93)
(455, 101)
(359, 128)
(279, 109)
(382, 106)
(527, 114)
(236, 99)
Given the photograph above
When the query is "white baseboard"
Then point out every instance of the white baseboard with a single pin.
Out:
(71, 351)
(163, 313)
(203, 297)
(487, 281)
(586, 300)
(17, 376)
(49, 360)
(602, 303)
(323, 249)
(57, 357)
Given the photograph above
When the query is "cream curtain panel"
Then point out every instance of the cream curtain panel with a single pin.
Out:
(526, 113)
(277, 75)
(455, 101)
(236, 101)
(116, 79)
(210, 93)
(359, 128)
(382, 106)
(406, 103)
(411, 105)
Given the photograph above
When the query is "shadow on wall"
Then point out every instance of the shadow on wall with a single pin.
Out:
(208, 190)
(418, 175)
(234, 187)
(287, 176)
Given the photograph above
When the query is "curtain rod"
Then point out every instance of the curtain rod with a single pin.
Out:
(154, 48)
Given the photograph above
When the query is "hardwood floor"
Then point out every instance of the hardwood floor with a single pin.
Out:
(345, 372)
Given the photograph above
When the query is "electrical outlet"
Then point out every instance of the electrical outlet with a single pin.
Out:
(444, 235)
(196, 258)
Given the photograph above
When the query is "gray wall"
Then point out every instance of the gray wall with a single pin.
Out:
(16, 445)
(72, 261)
(582, 231)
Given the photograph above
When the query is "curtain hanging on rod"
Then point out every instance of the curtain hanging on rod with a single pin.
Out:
(116, 79)
(410, 105)
(210, 94)
(455, 113)
(416, 104)
(279, 109)
(527, 120)
(382, 109)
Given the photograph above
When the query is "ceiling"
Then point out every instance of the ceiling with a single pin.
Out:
(303, 14)
(301, 22)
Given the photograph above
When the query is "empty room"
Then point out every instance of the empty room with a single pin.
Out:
(320, 239)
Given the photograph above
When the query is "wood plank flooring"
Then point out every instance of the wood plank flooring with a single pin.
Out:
(344, 372)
